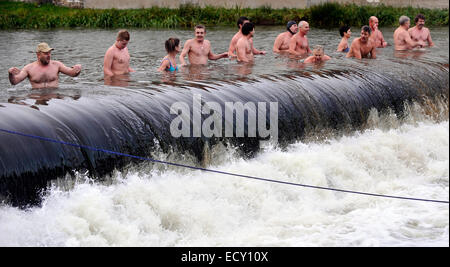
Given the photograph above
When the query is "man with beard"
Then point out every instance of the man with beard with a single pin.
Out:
(420, 33)
(361, 47)
(376, 36)
(199, 49)
(282, 41)
(44, 72)
(298, 45)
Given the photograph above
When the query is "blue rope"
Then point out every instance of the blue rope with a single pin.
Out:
(216, 171)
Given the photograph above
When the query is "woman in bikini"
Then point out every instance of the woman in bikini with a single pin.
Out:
(345, 33)
(169, 62)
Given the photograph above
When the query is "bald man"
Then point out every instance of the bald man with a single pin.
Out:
(299, 45)
(376, 36)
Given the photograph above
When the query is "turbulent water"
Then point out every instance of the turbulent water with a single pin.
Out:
(174, 207)
(400, 150)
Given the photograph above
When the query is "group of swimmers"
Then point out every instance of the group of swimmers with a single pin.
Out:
(43, 73)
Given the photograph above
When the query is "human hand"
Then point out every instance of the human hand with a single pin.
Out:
(14, 71)
(77, 68)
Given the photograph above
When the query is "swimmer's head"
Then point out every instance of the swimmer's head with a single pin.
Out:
(43, 53)
(241, 21)
(200, 32)
(123, 37)
(404, 21)
(420, 21)
(345, 30)
(365, 33)
(303, 26)
(292, 27)
(248, 28)
(318, 52)
(373, 22)
(172, 45)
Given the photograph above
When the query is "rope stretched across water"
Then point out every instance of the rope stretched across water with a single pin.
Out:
(216, 171)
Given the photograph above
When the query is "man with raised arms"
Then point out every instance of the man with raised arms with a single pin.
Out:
(298, 45)
(361, 47)
(117, 58)
(198, 49)
(241, 21)
(44, 72)
(420, 33)
(402, 39)
(376, 36)
(282, 41)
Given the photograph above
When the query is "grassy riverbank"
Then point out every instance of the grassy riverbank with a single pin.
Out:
(18, 15)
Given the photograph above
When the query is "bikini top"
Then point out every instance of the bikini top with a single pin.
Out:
(170, 68)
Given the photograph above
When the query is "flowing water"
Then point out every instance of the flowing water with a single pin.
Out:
(378, 126)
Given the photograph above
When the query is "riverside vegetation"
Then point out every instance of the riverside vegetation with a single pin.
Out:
(19, 15)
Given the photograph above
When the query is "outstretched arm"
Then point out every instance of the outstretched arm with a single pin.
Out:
(73, 72)
(256, 51)
(16, 75)
(213, 56)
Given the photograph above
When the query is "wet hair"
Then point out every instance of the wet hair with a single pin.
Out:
(247, 28)
(419, 16)
(123, 35)
(241, 21)
(343, 30)
(403, 19)
(318, 48)
(200, 27)
(366, 29)
(171, 43)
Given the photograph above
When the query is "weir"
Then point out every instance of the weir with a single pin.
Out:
(137, 121)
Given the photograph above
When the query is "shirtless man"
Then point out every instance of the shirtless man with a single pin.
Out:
(241, 21)
(117, 58)
(419, 33)
(282, 40)
(318, 55)
(376, 36)
(298, 45)
(44, 72)
(244, 46)
(361, 47)
(199, 49)
(402, 40)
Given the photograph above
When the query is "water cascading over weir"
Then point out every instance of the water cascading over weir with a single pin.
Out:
(136, 121)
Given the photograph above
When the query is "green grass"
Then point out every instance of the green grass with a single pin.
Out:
(18, 15)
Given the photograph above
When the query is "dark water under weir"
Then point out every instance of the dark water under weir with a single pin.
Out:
(134, 117)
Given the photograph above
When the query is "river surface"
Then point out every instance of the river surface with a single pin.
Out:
(145, 204)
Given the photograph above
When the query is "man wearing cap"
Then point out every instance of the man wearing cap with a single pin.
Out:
(43, 73)
(282, 40)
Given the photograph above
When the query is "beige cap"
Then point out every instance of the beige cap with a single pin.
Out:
(43, 47)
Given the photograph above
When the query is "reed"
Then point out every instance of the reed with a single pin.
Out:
(19, 15)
